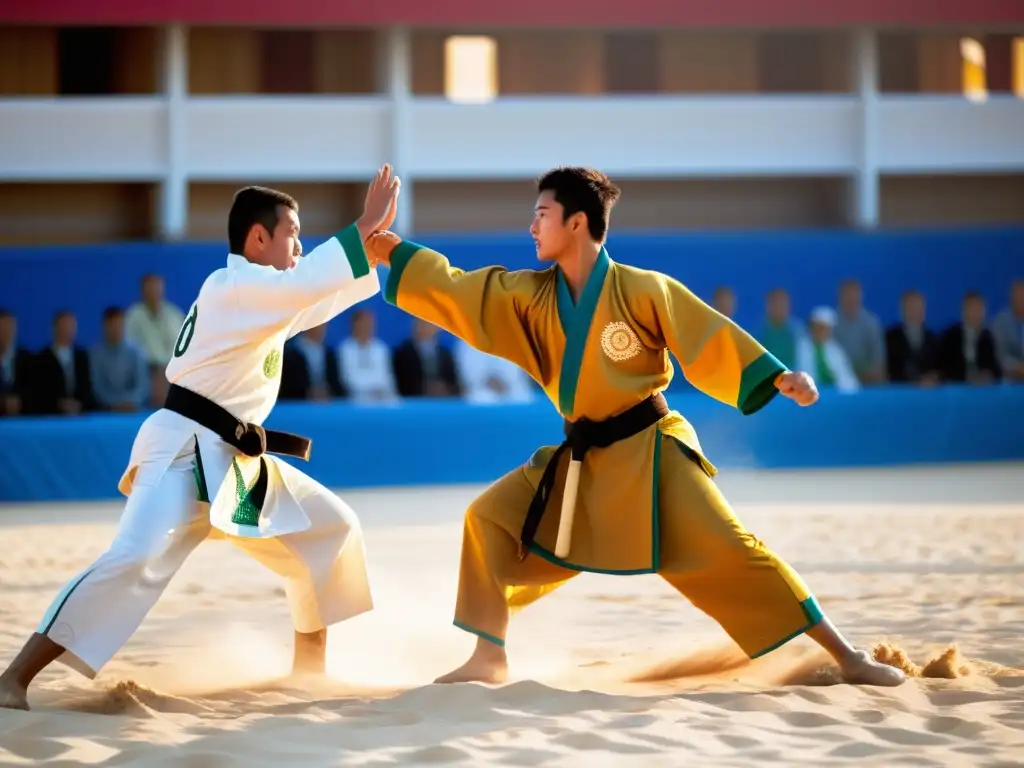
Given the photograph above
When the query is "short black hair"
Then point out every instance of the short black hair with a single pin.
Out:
(582, 190)
(973, 296)
(252, 206)
(110, 313)
(911, 293)
(5, 312)
(60, 314)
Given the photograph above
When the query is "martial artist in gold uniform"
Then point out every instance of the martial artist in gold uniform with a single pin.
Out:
(596, 335)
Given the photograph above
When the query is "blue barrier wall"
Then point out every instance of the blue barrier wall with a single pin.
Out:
(38, 281)
(436, 442)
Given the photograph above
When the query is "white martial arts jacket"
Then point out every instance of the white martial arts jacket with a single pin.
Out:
(229, 350)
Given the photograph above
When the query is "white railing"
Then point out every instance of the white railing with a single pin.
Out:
(646, 137)
(121, 139)
(928, 134)
(295, 139)
(313, 139)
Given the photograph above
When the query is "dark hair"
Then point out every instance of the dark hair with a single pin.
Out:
(252, 206)
(5, 312)
(111, 313)
(973, 296)
(911, 293)
(60, 314)
(583, 190)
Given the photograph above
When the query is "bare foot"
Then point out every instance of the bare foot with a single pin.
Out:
(13, 696)
(488, 664)
(861, 669)
(310, 657)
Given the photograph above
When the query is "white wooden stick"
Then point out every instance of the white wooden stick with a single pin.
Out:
(572, 485)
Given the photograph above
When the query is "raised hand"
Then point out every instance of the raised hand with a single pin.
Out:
(381, 203)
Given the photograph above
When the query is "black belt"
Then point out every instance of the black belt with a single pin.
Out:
(580, 437)
(250, 439)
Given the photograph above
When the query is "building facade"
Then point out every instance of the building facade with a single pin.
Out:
(121, 120)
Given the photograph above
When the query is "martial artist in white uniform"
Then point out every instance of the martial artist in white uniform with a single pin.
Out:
(183, 480)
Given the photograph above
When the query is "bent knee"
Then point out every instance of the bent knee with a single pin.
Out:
(330, 514)
(504, 504)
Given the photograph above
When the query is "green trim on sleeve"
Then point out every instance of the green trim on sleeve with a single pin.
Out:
(352, 243)
(757, 385)
(400, 257)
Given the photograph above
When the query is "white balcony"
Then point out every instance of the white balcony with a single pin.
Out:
(338, 139)
(284, 138)
(922, 134)
(109, 139)
(641, 137)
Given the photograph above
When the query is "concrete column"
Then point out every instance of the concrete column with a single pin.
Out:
(865, 198)
(173, 199)
(396, 77)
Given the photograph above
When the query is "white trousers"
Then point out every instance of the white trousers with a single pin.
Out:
(324, 567)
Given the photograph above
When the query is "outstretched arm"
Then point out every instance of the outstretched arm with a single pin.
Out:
(487, 308)
(717, 356)
(335, 273)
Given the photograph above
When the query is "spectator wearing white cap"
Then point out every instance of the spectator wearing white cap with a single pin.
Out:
(823, 357)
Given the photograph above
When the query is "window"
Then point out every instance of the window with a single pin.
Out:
(631, 63)
(972, 53)
(86, 64)
(1017, 57)
(287, 61)
(471, 69)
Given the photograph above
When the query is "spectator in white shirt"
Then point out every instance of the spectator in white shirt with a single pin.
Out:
(823, 357)
(365, 362)
(489, 379)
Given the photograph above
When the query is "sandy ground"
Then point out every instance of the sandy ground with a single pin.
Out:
(608, 671)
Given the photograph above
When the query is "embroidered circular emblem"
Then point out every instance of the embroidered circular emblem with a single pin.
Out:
(619, 342)
(272, 364)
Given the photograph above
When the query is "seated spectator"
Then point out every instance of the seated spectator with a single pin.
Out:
(822, 357)
(911, 348)
(1008, 330)
(860, 334)
(724, 301)
(118, 369)
(60, 383)
(781, 332)
(423, 368)
(365, 362)
(489, 379)
(967, 350)
(15, 362)
(309, 370)
(152, 325)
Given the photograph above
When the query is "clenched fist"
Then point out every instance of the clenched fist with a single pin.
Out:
(379, 247)
(798, 386)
